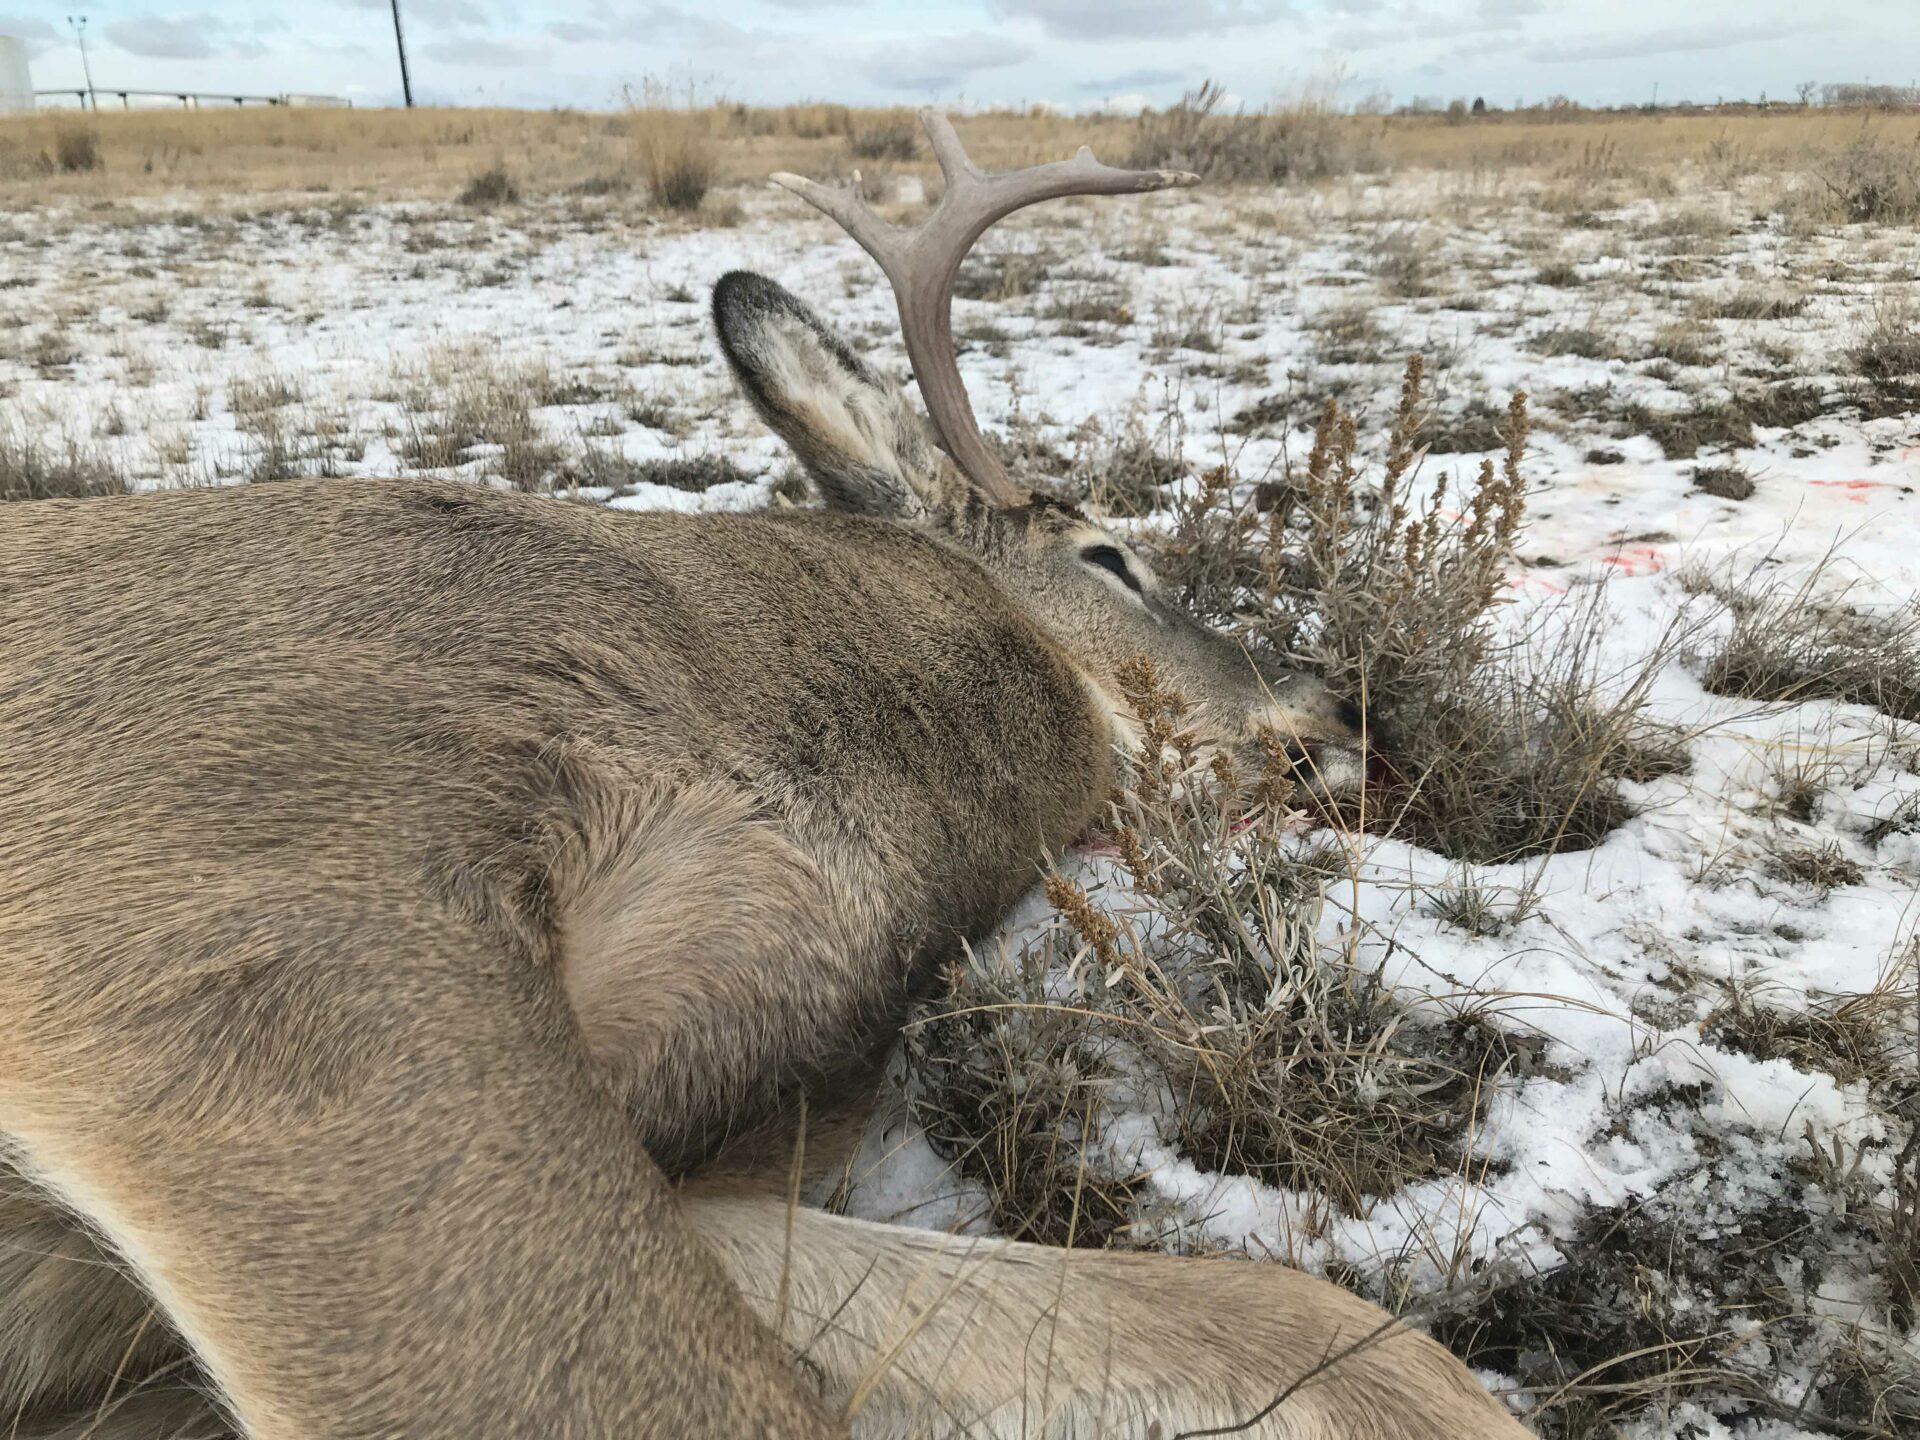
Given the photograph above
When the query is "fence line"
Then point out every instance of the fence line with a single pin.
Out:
(190, 99)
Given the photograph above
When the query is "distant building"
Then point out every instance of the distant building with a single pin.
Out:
(16, 84)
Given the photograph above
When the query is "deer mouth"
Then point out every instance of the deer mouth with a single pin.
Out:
(1304, 784)
(1319, 769)
(1330, 769)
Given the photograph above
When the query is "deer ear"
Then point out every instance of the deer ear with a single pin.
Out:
(854, 430)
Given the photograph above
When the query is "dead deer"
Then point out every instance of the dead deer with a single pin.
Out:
(426, 912)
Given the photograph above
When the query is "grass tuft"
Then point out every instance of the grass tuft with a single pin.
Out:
(33, 470)
(1810, 641)
(492, 186)
(693, 473)
(76, 149)
(1874, 180)
(1728, 482)
(677, 153)
(891, 137)
(1887, 352)
(1285, 144)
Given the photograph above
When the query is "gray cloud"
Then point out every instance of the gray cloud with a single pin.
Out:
(158, 37)
(941, 62)
(449, 12)
(1134, 80)
(1662, 42)
(444, 12)
(472, 50)
(585, 32)
(611, 27)
(38, 34)
(1100, 19)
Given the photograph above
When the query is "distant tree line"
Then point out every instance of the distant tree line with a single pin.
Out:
(1459, 110)
(1880, 97)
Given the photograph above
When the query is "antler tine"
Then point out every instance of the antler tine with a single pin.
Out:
(922, 263)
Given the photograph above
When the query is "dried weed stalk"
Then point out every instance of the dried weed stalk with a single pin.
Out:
(1184, 980)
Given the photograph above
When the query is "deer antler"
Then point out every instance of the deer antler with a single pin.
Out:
(922, 263)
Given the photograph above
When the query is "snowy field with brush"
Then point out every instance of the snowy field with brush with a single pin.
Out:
(1592, 1048)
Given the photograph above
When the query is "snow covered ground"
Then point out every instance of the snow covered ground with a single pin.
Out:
(182, 344)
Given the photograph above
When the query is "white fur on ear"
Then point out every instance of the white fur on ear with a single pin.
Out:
(852, 427)
(858, 430)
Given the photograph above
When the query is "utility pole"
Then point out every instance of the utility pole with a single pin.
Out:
(400, 44)
(78, 24)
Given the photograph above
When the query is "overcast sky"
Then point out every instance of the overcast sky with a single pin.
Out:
(1071, 53)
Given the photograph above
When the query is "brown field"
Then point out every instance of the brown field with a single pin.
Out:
(373, 154)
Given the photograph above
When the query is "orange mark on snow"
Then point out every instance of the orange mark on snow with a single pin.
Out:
(1854, 490)
(1532, 582)
(1640, 560)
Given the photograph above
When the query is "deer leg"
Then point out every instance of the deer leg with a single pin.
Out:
(933, 1335)
(384, 1199)
(705, 962)
(718, 977)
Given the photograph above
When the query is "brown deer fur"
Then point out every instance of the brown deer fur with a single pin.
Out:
(404, 885)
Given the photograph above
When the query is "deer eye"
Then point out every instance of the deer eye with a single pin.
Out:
(1106, 557)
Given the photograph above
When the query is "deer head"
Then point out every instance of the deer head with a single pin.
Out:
(870, 454)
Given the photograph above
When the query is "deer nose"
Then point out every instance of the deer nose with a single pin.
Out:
(1322, 754)
(1324, 767)
(1299, 702)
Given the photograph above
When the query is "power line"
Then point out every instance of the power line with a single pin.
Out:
(78, 24)
(400, 44)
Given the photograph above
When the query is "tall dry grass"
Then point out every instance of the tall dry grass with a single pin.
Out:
(676, 145)
(434, 152)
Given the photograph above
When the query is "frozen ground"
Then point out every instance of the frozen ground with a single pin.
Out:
(182, 345)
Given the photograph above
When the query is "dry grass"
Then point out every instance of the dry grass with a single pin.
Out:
(1875, 179)
(1200, 983)
(1003, 274)
(1267, 147)
(33, 470)
(1491, 746)
(76, 149)
(1123, 469)
(428, 152)
(696, 473)
(889, 135)
(1813, 640)
(677, 152)
(1728, 482)
(1887, 352)
(1754, 302)
(492, 186)
(468, 408)
(1684, 342)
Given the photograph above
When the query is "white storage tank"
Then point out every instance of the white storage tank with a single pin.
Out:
(16, 85)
